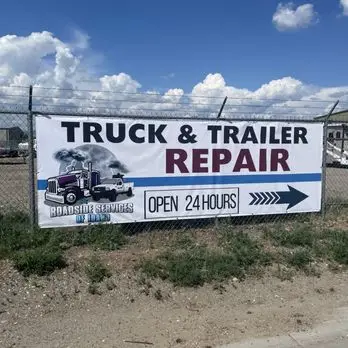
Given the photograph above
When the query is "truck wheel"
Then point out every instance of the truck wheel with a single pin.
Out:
(129, 192)
(113, 196)
(96, 198)
(70, 197)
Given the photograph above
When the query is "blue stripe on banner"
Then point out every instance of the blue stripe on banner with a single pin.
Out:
(215, 180)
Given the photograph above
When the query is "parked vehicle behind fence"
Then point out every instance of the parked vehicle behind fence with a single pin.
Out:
(10, 139)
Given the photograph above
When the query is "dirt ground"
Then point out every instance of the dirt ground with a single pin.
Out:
(58, 310)
(14, 185)
(337, 185)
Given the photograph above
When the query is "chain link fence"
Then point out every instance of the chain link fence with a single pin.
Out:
(17, 169)
(337, 164)
(14, 170)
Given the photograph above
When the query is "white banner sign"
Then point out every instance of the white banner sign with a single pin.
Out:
(93, 170)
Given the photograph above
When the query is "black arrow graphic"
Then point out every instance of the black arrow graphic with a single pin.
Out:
(264, 197)
(291, 197)
(275, 197)
(254, 198)
(270, 198)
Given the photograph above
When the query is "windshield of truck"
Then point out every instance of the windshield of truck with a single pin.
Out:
(66, 179)
(110, 181)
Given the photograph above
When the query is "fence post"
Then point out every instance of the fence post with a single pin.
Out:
(216, 220)
(324, 164)
(31, 168)
(222, 108)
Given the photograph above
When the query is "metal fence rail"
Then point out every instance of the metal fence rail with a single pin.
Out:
(21, 104)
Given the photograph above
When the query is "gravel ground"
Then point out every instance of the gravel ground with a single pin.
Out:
(337, 185)
(58, 310)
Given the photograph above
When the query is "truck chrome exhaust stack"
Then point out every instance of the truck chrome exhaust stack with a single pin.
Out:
(90, 175)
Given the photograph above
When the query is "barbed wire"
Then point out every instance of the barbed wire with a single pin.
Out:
(14, 96)
(143, 104)
(148, 114)
(141, 109)
(228, 105)
(190, 95)
(156, 94)
(15, 86)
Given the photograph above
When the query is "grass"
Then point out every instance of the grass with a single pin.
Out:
(284, 273)
(104, 237)
(93, 289)
(305, 244)
(229, 252)
(41, 251)
(191, 268)
(335, 243)
(195, 265)
(40, 261)
(15, 235)
(299, 259)
(96, 271)
(330, 244)
(184, 242)
(247, 251)
(296, 247)
(301, 235)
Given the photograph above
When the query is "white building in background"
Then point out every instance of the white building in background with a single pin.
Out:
(337, 149)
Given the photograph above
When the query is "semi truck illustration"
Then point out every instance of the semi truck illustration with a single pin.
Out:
(72, 186)
(111, 188)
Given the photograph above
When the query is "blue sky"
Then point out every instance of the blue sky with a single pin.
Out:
(165, 44)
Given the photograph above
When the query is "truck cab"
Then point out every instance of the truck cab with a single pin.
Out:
(70, 187)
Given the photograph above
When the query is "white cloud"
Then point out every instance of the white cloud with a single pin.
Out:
(80, 39)
(168, 76)
(63, 81)
(119, 83)
(289, 17)
(344, 4)
(25, 54)
(277, 97)
(66, 64)
(41, 56)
